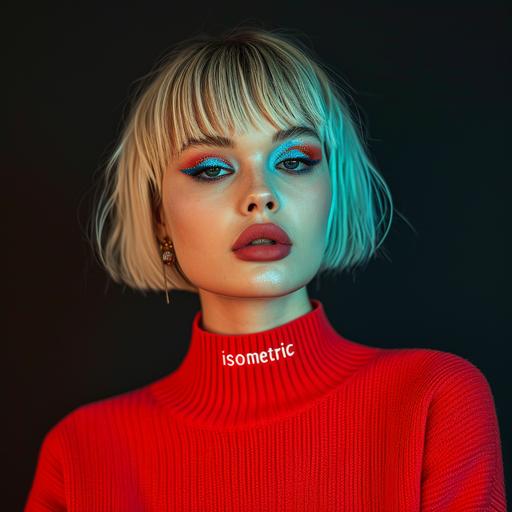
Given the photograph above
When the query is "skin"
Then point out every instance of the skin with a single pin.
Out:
(203, 219)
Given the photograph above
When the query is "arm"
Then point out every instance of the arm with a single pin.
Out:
(47, 491)
(462, 460)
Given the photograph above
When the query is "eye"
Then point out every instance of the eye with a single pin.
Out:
(292, 165)
(211, 171)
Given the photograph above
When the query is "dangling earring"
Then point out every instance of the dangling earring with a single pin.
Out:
(168, 258)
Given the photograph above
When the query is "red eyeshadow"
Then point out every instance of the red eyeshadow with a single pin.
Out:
(313, 152)
(197, 159)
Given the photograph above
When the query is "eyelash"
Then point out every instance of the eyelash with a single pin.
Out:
(310, 163)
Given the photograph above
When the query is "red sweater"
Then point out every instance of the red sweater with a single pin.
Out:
(295, 418)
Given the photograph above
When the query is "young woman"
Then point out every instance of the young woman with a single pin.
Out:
(240, 176)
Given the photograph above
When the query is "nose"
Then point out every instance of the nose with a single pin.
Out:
(259, 195)
(260, 202)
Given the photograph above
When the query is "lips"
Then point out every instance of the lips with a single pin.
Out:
(267, 230)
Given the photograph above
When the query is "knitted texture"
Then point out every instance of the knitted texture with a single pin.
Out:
(294, 418)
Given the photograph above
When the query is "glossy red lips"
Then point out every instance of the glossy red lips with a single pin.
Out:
(276, 251)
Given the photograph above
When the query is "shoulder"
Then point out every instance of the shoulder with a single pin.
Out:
(435, 371)
(443, 376)
(96, 416)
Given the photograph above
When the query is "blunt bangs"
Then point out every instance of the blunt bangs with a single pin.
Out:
(222, 90)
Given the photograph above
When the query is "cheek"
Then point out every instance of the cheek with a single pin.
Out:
(315, 200)
(196, 221)
(187, 218)
(325, 198)
(324, 193)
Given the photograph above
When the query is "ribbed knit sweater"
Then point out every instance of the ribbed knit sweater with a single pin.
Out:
(294, 418)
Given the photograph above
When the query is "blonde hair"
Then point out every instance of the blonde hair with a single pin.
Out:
(207, 86)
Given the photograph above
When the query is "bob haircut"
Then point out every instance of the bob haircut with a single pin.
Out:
(209, 86)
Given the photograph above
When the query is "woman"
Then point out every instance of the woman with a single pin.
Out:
(240, 176)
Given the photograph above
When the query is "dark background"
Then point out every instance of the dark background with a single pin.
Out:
(433, 87)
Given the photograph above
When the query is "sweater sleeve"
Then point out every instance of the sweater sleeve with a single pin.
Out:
(462, 462)
(47, 491)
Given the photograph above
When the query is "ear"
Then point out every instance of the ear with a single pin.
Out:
(160, 226)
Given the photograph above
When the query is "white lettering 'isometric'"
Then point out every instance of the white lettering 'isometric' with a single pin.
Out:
(265, 356)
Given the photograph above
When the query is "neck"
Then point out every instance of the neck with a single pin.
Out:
(223, 314)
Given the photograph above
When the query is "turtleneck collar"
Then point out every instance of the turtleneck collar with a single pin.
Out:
(228, 381)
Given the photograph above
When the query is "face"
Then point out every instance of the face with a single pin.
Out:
(212, 192)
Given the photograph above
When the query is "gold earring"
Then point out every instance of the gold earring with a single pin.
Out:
(168, 258)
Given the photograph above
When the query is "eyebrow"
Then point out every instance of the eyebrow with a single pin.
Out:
(224, 142)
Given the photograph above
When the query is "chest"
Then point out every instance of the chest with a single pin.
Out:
(330, 457)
